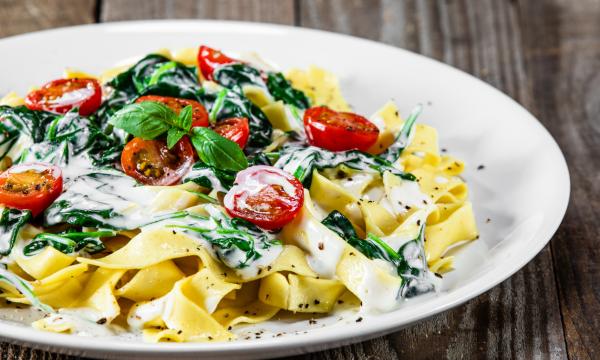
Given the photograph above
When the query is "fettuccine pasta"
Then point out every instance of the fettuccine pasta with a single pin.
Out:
(191, 193)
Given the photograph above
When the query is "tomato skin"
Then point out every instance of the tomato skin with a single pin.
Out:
(150, 162)
(199, 114)
(234, 129)
(338, 131)
(209, 59)
(260, 197)
(30, 186)
(61, 95)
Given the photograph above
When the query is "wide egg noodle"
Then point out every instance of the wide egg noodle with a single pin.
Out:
(165, 283)
(321, 86)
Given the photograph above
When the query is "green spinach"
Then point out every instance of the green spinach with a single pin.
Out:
(301, 161)
(11, 222)
(24, 288)
(236, 242)
(69, 242)
(281, 89)
(210, 177)
(393, 152)
(223, 104)
(409, 260)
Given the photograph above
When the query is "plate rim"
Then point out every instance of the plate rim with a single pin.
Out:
(276, 346)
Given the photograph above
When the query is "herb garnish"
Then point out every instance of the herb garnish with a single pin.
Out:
(149, 120)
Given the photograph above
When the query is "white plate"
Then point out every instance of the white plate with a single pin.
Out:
(523, 190)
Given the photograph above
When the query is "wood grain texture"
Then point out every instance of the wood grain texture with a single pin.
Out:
(273, 11)
(21, 16)
(563, 59)
(543, 53)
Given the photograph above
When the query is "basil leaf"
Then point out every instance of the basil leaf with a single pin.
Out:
(173, 136)
(216, 151)
(145, 120)
(184, 120)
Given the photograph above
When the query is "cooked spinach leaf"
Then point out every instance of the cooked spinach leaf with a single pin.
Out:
(71, 135)
(236, 242)
(104, 199)
(210, 177)
(69, 242)
(24, 288)
(301, 161)
(393, 152)
(409, 260)
(339, 224)
(157, 75)
(236, 76)
(281, 89)
(223, 105)
(11, 222)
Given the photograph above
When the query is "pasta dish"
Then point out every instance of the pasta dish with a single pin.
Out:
(186, 195)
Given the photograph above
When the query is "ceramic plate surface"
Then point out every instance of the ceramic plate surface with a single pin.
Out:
(523, 189)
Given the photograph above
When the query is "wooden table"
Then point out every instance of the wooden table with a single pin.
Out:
(543, 53)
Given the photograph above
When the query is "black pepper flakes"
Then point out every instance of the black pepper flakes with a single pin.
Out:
(101, 321)
(359, 319)
(480, 167)
(317, 302)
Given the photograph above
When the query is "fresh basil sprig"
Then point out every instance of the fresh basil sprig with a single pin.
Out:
(148, 120)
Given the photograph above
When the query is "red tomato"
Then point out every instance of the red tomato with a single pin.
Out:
(60, 96)
(30, 186)
(265, 196)
(209, 59)
(234, 129)
(199, 114)
(150, 161)
(338, 131)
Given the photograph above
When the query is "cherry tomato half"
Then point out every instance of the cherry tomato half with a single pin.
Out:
(338, 131)
(60, 96)
(234, 129)
(150, 161)
(30, 186)
(199, 114)
(266, 196)
(209, 59)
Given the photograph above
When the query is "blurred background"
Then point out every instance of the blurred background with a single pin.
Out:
(543, 53)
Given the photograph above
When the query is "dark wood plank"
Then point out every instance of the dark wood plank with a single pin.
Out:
(521, 317)
(21, 16)
(563, 58)
(274, 11)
